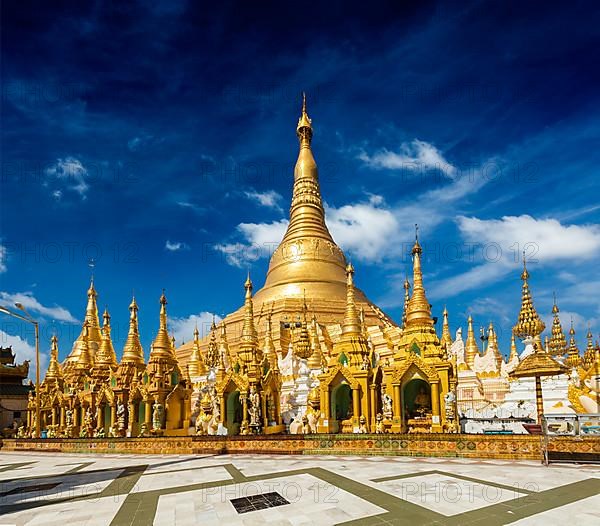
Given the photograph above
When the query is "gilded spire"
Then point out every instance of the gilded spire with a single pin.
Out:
(54, 371)
(132, 351)
(316, 358)
(162, 347)
(573, 359)
(471, 348)
(85, 362)
(590, 352)
(446, 336)
(351, 324)
(529, 322)
(406, 300)
(195, 364)
(419, 310)
(269, 347)
(307, 253)
(248, 338)
(558, 342)
(224, 354)
(212, 353)
(106, 353)
(302, 347)
(513, 349)
(91, 314)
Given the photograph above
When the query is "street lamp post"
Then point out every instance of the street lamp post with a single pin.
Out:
(28, 318)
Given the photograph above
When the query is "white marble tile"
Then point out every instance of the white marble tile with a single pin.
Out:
(160, 480)
(580, 513)
(447, 495)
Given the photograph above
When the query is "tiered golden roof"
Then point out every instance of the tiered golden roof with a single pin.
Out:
(162, 350)
(269, 347)
(529, 322)
(249, 338)
(195, 364)
(471, 347)
(419, 311)
(132, 351)
(302, 347)
(316, 358)
(406, 300)
(54, 371)
(590, 352)
(558, 342)
(538, 363)
(513, 348)
(573, 358)
(106, 356)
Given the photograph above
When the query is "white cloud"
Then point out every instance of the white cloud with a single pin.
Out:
(499, 243)
(33, 305)
(183, 328)
(368, 231)
(174, 246)
(413, 156)
(2, 259)
(23, 350)
(268, 199)
(543, 239)
(71, 172)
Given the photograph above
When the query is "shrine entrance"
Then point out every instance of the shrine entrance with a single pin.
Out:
(416, 396)
(234, 416)
(341, 404)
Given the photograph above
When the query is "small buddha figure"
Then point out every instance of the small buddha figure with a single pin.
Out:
(422, 401)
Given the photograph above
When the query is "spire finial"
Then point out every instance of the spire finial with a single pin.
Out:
(304, 128)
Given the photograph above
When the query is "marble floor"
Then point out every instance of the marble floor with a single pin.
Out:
(60, 489)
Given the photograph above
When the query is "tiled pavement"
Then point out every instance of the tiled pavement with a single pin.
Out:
(120, 490)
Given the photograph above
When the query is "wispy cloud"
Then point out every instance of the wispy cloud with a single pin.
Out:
(71, 173)
(412, 156)
(183, 328)
(2, 259)
(174, 246)
(501, 241)
(28, 300)
(268, 199)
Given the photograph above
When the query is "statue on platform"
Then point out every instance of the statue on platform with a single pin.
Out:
(100, 433)
(422, 401)
(379, 427)
(305, 425)
(121, 417)
(21, 431)
(88, 422)
(143, 430)
(69, 417)
(365, 363)
(362, 425)
(387, 402)
(158, 414)
(206, 421)
(254, 409)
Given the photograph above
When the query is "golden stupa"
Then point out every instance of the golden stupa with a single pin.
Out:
(306, 264)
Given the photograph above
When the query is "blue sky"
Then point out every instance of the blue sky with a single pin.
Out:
(161, 141)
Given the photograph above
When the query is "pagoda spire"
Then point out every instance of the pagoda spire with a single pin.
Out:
(419, 310)
(269, 347)
(558, 342)
(248, 338)
(307, 253)
(406, 300)
(589, 354)
(351, 325)
(54, 371)
(132, 351)
(529, 322)
(195, 364)
(212, 353)
(162, 347)
(471, 348)
(446, 336)
(224, 353)
(513, 349)
(84, 363)
(573, 358)
(106, 353)
(316, 358)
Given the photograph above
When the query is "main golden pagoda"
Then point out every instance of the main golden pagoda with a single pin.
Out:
(307, 353)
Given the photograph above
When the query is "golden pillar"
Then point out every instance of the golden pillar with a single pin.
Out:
(327, 409)
(223, 409)
(435, 405)
(113, 414)
(244, 398)
(539, 401)
(356, 402)
(63, 414)
(397, 402)
(54, 415)
(148, 414)
(373, 403)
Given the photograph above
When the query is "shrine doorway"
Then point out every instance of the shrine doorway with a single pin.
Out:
(416, 397)
(341, 403)
(234, 414)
